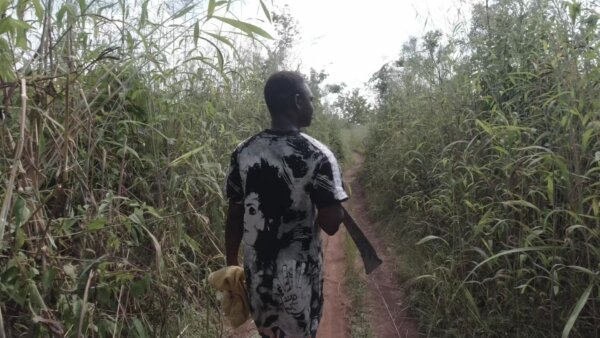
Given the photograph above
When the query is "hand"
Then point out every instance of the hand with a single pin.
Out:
(294, 287)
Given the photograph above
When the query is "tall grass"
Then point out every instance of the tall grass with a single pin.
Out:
(484, 151)
(112, 161)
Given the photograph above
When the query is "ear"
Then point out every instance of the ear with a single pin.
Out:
(297, 102)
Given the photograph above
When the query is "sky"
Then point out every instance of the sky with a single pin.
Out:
(351, 39)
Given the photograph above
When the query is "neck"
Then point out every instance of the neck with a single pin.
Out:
(281, 123)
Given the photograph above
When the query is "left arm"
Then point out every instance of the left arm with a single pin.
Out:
(329, 218)
(327, 193)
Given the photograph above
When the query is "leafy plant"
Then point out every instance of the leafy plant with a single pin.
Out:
(484, 151)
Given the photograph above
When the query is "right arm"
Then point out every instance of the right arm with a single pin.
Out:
(234, 225)
(234, 230)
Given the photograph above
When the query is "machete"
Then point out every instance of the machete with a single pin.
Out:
(367, 252)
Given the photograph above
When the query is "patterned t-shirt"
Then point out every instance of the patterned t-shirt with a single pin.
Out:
(282, 178)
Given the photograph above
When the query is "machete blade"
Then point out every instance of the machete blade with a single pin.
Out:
(369, 256)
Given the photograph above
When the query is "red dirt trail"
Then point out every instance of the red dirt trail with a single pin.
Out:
(386, 310)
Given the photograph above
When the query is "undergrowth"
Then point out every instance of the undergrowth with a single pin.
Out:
(484, 154)
(120, 119)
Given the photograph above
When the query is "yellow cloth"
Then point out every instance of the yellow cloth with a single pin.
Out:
(231, 282)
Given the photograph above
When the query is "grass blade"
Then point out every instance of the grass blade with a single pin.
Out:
(576, 310)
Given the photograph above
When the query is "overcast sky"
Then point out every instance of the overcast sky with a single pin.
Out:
(352, 39)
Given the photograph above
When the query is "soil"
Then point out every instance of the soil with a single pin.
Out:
(334, 322)
(386, 310)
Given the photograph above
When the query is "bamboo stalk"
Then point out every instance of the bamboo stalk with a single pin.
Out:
(16, 164)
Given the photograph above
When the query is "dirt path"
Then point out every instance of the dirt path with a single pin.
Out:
(334, 322)
(385, 308)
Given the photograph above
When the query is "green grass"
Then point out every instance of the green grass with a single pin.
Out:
(117, 215)
(483, 157)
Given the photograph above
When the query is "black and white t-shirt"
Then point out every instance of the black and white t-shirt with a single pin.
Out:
(281, 178)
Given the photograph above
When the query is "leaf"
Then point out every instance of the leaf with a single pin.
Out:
(39, 9)
(22, 38)
(196, 33)
(585, 139)
(574, 10)
(245, 27)
(96, 224)
(219, 54)
(504, 253)
(222, 39)
(35, 297)
(20, 238)
(48, 278)
(68, 8)
(550, 188)
(12, 25)
(6, 73)
(185, 156)
(431, 238)
(137, 217)
(472, 304)
(82, 6)
(582, 269)
(521, 203)
(20, 8)
(22, 213)
(130, 41)
(139, 328)
(577, 309)
(555, 282)
(191, 243)
(183, 11)
(152, 211)
(211, 9)
(486, 127)
(157, 251)
(4, 5)
(61, 14)
(144, 15)
(265, 10)
(70, 271)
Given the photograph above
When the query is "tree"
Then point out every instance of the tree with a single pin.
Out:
(353, 107)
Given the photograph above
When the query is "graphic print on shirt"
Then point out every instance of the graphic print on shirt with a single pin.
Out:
(280, 179)
(292, 284)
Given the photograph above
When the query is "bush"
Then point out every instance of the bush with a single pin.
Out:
(485, 152)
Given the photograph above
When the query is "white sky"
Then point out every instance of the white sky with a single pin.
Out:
(352, 39)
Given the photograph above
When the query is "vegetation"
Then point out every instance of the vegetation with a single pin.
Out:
(485, 152)
(117, 122)
(117, 119)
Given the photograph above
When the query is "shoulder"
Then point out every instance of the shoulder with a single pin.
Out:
(319, 147)
(246, 143)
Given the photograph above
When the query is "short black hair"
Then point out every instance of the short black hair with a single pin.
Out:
(280, 90)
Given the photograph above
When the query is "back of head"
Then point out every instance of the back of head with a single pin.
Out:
(280, 90)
